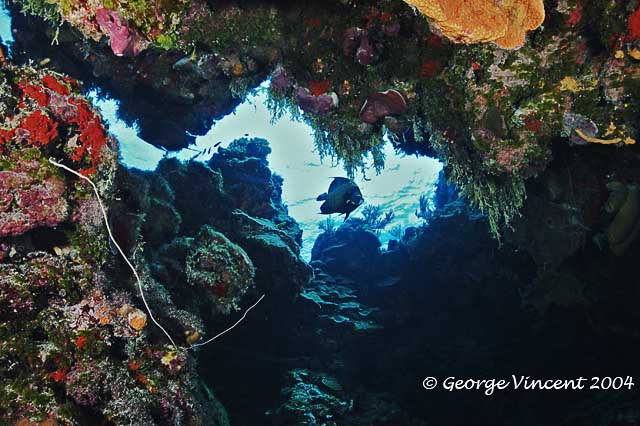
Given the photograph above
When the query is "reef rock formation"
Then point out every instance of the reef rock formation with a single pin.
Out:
(220, 267)
(235, 194)
(77, 341)
(495, 117)
(77, 345)
(452, 276)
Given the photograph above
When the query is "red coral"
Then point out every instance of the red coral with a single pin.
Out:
(80, 342)
(634, 26)
(434, 41)
(372, 16)
(71, 82)
(41, 128)
(386, 17)
(6, 135)
(312, 22)
(34, 92)
(450, 134)
(430, 69)
(317, 88)
(532, 124)
(52, 83)
(58, 375)
(575, 16)
(92, 136)
(220, 289)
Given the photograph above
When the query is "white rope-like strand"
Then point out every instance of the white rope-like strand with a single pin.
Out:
(135, 273)
(195, 345)
(106, 222)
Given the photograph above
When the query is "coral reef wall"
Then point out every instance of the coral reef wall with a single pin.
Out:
(537, 131)
(77, 343)
(496, 117)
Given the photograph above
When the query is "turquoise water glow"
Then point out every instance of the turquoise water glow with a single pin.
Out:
(6, 36)
(398, 187)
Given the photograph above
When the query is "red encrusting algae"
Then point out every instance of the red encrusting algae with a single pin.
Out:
(41, 128)
(80, 342)
(52, 83)
(430, 69)
(633, 32)
(575, 16)
(57, 107)
(318, 88)
(58, 375)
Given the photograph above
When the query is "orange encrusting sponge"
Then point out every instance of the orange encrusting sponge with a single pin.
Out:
(504, 22)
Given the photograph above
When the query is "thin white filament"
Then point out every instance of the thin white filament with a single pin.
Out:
(135, 273)
(230, 328)
(106, 222)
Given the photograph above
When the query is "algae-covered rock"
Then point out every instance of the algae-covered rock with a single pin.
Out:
(78, 346)
(275, 253)
(310, 398)
(495, 117)
(219, 267)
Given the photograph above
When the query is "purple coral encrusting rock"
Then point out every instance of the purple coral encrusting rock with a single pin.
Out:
(61, 108)
(29, 199)
(122, 39)
(320, 104)
(382, 104)
(357, 37)
(365, 53)
(280, 80)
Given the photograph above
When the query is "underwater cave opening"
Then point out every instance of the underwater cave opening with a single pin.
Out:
(397, 187)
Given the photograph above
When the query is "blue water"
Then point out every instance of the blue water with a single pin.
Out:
(398, 187)
(6, 36)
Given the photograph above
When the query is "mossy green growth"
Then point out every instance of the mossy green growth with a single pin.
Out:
(231, 28)
(500, 197)
(46, 9)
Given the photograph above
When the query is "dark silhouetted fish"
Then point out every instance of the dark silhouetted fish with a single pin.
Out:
(343, 196)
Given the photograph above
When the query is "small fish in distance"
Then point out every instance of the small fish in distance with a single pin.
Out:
(343, 197)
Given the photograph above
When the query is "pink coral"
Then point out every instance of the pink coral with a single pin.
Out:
(511, 159)
(122, 39)
(28, 201)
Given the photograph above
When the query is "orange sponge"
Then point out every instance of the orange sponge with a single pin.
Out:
(503, 22)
